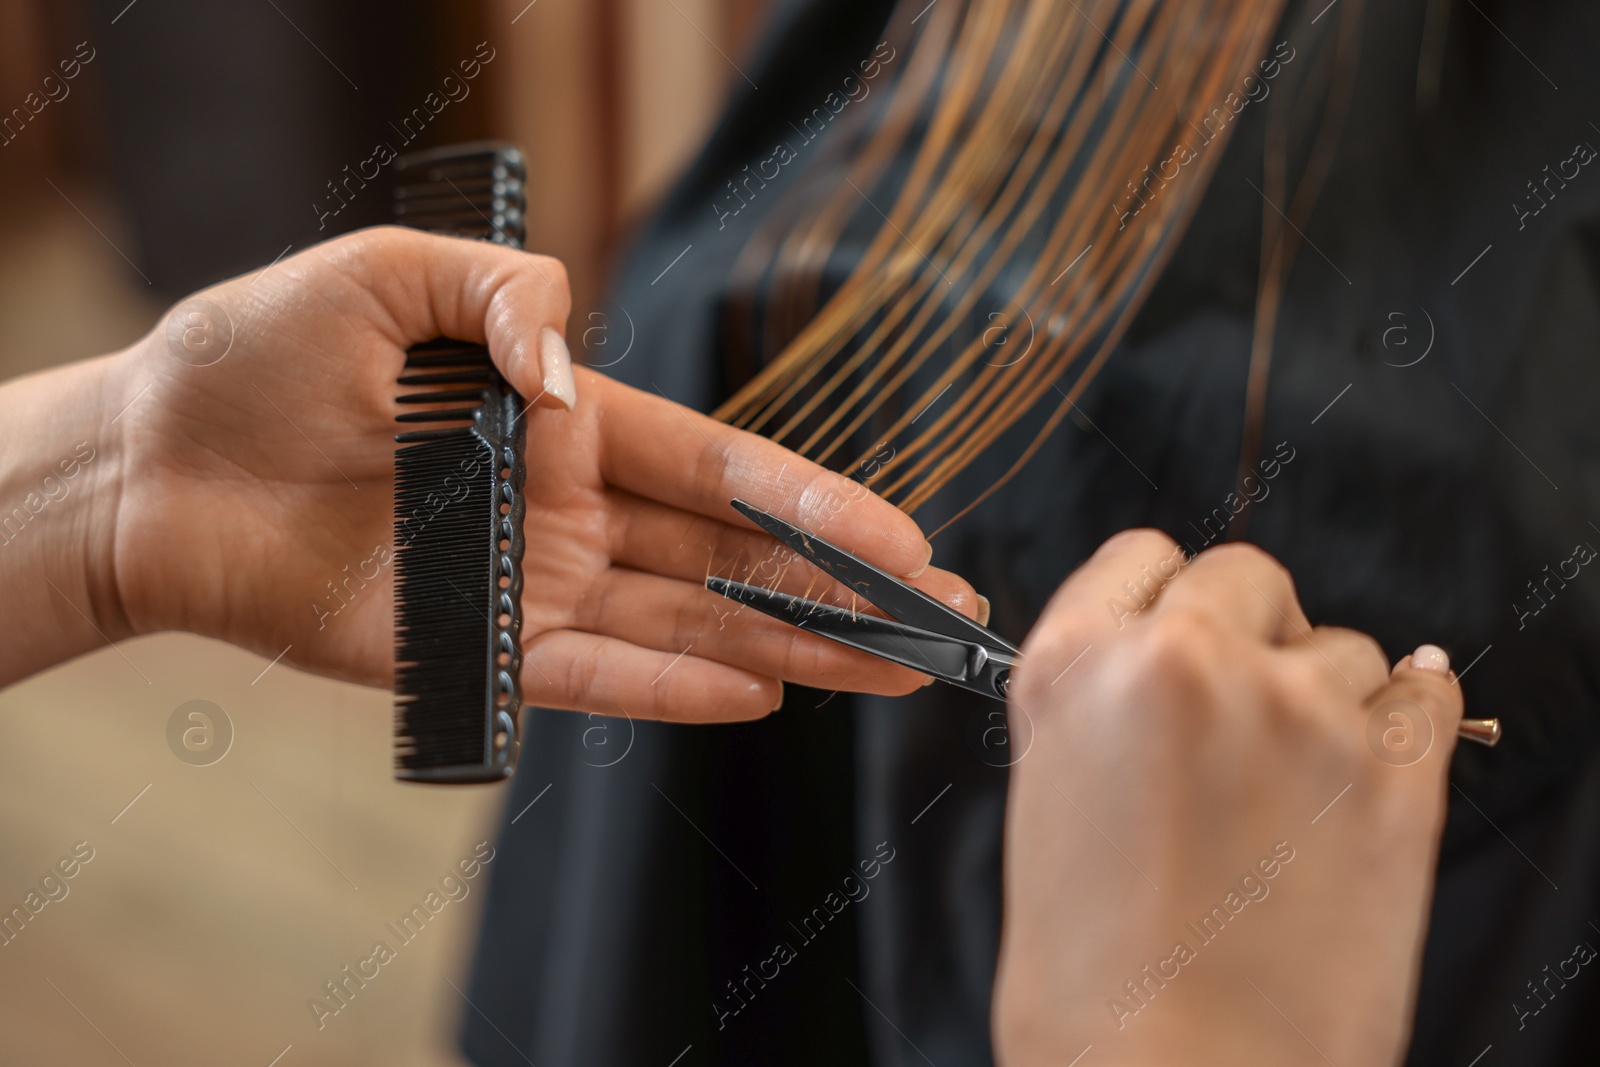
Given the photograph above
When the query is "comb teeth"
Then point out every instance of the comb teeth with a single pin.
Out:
(458, 503)
(442, 627)
(475, 190)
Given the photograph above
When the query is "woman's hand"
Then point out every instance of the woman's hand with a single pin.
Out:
(247, 450)
(1207, 860)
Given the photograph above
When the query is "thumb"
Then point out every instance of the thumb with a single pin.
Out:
(1423, 681)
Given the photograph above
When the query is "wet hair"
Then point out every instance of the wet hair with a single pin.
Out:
(1050, 150)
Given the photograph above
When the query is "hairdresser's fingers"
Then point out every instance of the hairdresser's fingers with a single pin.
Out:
(429, 286)
(679, 457)
(1243, 588)
(589, 672)
(1350, 659)
(1430, 691)
(674, 617)
(650, 536)
(1106, 594)
(653, 537)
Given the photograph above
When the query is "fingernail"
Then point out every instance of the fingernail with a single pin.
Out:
(983, 611)
(1431, 658)
(555, 363)
(928, 682)
(927, 557)
(1403, 663)
(779, 702)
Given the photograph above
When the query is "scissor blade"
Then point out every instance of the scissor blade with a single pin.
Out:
(904, 602)
(930, 653)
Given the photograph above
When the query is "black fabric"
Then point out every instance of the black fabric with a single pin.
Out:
(1419, 504)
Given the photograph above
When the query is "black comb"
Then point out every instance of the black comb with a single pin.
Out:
(458, 504)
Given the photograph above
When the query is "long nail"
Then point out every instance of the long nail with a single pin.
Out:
(555, 364)
(1431, 658)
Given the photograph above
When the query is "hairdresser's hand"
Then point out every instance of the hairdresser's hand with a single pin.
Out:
(254, 499)
(1206, 861)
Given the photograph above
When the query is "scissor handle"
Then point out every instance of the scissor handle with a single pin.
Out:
(988, 672)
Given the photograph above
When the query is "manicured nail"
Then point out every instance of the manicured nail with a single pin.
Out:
(927, 557)
(555, 363)
(983, 611)
(1431, 658)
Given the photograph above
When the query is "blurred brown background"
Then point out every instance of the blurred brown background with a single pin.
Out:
(191, 146)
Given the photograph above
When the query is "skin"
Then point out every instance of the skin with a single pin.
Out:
(223, 499)
(1212, 725)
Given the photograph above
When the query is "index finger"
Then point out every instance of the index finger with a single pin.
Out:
(1111, 589)
(668, 453)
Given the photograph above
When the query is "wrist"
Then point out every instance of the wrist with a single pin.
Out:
(60, 482)
(121, 387)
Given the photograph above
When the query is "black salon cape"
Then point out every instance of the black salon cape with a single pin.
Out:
(657, 863)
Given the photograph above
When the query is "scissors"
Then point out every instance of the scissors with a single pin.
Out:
(930, 638)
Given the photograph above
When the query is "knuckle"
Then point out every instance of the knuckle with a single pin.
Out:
(821, 500)
(553, 271)
(1307, 687)
(623, 534)
(1307, 703)
(803, 656)
(1254, 559)
(537, 684)
(690, 618)
(1059, 637)
(710, 471)
(1052, 646)
(1166, 673)
(581, 674)
(735, 549)
(669, 693)
(1178, 641)
(353, 254)
(371, 251)
(1243, 552)
(373, 239)
(593, 611)
(1143, 540)
(1365, 645)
